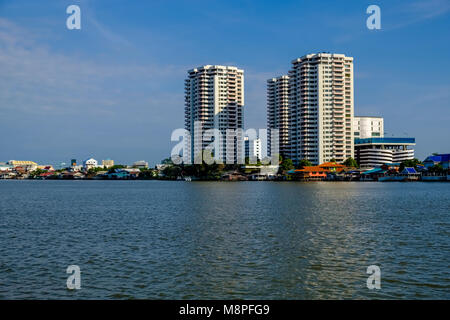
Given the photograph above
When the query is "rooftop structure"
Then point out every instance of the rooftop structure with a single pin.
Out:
(16, 163)
(368, 127)
(24, 164)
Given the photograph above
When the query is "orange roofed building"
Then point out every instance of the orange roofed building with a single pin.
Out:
(310, 173)
(316, 173)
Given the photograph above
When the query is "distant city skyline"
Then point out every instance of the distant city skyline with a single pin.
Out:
(115, 88)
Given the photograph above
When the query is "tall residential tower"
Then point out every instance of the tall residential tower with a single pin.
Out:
(278, 112)
(321, 108)
(214, 96)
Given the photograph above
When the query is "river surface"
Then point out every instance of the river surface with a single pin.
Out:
(224, 240)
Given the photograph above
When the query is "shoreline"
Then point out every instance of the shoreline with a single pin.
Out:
(210, 180)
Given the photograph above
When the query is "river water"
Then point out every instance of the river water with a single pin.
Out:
(224, 240)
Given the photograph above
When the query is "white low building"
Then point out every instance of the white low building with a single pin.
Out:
(5, 167)
(141, 164)
(374, 152)
(90, 163)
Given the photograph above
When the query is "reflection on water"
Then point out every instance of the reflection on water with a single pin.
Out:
(250, 240)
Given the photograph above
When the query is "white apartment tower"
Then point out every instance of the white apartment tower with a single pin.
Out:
(278, 112)
(214, 96)
(321, 108)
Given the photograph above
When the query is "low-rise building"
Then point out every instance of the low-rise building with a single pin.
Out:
(310, 173)
(442, 159)
(90, 163)
(5, 167)
(141, 164)
(326, 170)
(108, 163)
(24, 164)
(121, 174)
(374, 152)
(269, 171)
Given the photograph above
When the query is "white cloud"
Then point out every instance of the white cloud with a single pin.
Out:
(36, 80)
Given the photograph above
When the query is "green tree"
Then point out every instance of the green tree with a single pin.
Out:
(304, 163)
(172, 172)
(286, 165)
(147, 173)
(350, 162)
(409, 163)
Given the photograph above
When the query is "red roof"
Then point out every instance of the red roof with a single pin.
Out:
(46, 174)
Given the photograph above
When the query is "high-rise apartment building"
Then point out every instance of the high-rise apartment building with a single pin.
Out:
(214, 97)
(278, 112)
(321, 108)
(368, 127)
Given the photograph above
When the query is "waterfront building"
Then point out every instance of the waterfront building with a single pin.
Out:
(310, 173)
(326, 170)
(214, 96)
(278, 112)
(107, 163)
(261, 172)
(253, 148)
(25, 165)
(368, 127)
(321, 108)
(5, 167)
(374, 152)
(90, 163)
(442, 159)
(76, 168)
(117, 174)
(410, 173)
(141, 164)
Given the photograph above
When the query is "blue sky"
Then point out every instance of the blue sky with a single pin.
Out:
(114, 89)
